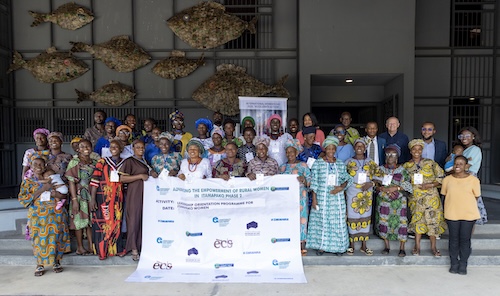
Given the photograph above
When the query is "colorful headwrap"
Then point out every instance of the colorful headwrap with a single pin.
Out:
(308, 130)
(393, 147)
(76, 140)
(115, 120)
(330, 140)
(263, 140)
(175, 114)
(218, 130)
(123, 127)
(41, 130)
(247, 118)
(168, 136)
(360, 140)
(207, 122)
(294, 143)
(39, 156)
(416, 142)
(274, 116)
(198, 144)
(56, 134)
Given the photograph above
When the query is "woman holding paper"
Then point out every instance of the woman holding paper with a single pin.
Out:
(167, 161)
(262, 165)
(195, 166)
(425, 203)
(230, 166)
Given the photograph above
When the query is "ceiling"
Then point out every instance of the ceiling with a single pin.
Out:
(358, 79)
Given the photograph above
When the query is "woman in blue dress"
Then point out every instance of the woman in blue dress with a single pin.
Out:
(344, 149)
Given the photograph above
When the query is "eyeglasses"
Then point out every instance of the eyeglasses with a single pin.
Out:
(125, 132)
(391, 154)
(429, 129)
(342, 132)
(464, 136)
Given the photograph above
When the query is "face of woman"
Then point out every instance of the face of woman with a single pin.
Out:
(164, 145)
(309, 139)
(330, 151)
(340, 133)
(308, 121)
(130, 121)
(291, 154)
(248, 123)
(114, 149)
(148, 126)
(359, 148)
(139, 149)
(459, 165)
(229, 129)
(124, 135)
(155, 134)
(391, 157)
(110, 127)
(178, 123)
(261, 151)
(99, 117)
(249, 136)
(416, 151)
(193, 151)
(55, 143)
(217, 139)
(467, 138)
(275, 125)
(293, 127)
(40, 140)
(38, 166)
(202, 129)
(231, 150)
(84, 148)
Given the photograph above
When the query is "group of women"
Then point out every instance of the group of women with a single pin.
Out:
(336, 194)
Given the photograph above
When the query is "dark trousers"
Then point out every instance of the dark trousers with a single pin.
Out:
(460, 241)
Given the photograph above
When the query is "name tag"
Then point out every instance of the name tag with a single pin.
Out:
(418, 179)
(216, 157)
(275, 149)
(45, 196)
(105, 152)
(114, 177)
(387, 180)
(249, 156)
(164, 174)
(310, 162)
(361, 178)
(332, 180)
(178, 137)
(259, 178)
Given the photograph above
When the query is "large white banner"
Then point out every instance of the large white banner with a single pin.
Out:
(213, 230)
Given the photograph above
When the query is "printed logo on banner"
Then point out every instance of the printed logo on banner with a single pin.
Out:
(223, 243)
(279, 188)
(194, 233)
(281, 264)
(162, 265)
(223, 222)
(221, 276)
(251, 252)
(164, 243)
(163, 191)
(280, 240)
(252, 273)
(165, 221)
(194, 252)
(279, 219)
(251, 225)
(223, 265)
(152, 278)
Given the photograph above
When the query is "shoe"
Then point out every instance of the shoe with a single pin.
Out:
(454, 269)
(415, 252)
(86, 253)
(367, 251)
(350, 251)
(320, 252)
(386, 251)
(122, 254)
(402, 253)
(462, 269)
(57, 268)
(135, 256)
(39, 270)
(437, 254)
(303, 252)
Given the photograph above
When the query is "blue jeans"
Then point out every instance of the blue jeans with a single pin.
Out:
(460, 241)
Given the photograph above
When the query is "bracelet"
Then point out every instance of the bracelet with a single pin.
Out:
(74, 198)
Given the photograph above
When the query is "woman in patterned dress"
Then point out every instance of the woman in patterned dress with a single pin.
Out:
(166, 160)
(425, 203)
(41, 142)
(327, 229)
(391, 222)
(106, 203)
(229, 166)
(48, 228)
(297, 167)
(360, 197)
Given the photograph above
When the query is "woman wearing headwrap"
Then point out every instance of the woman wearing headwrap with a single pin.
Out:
(391, 222)
(277, 139)
(181, 138)
(262, 164)
(297, 167)
(217, 151)
(204, 127)
(327, 231)
(311, 151)
(40, 137)
(74, 143)
(230, 166)
(246, 122)
(57, 160)
(309, 120)
(425, 203)
(195, 166)
(124, 135)
(101, 147)
(166, 160)
(48, 228)
(344, 150)
(360, 197)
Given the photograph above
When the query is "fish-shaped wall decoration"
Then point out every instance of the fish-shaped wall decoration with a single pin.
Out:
(112, 94)
(69, 16)
(220, 92)
(177, 65)
(119, 53)
(207, 25)
(51, 66)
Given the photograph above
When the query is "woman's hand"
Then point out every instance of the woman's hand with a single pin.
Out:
(153, 174)
(75, 206)
(92, 205)
(426, 186)
(367, 186)
(314, 203)
(251, 176)
(336, 189)
(144, 177)
(173, 173)
(225, 177)
(302, 179)
(182, 177)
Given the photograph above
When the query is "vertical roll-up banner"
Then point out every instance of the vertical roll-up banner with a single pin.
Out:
(261, 108)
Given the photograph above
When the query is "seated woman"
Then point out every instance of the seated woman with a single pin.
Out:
(230, 166)
(262, 164)
(195, 166)
(217, 151)
(166, 160)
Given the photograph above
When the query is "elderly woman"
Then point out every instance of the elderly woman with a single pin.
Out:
(277, 139)
(230, 166)
(48, 228)
(124, 135)
(360, 197)
(297, 167)
(262, 164)
(181, 138)
(217, 151)
(425, 203)
(461, 191)
(133, 172)
(166, 160)
(344, 150)
(195, 166)
(101, 147)
(471, 140)
(40, 137)
(79, 172)
(391, 221)
(106, 203)
(311, 151)
(327, 231)
(204, 127)
(309, 120)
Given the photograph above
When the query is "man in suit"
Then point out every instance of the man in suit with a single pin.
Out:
(374, 145)
(393, 136)
(434, 149)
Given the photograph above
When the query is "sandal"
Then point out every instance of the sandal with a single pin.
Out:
(122, 254)
(320, 252)
(350, 251)
(39, 270)
(367, 251)
(57, 268)
(437, 254)
(402, 253)
(415, 252)
(135, 256)
(386, 251)
(86, 253)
